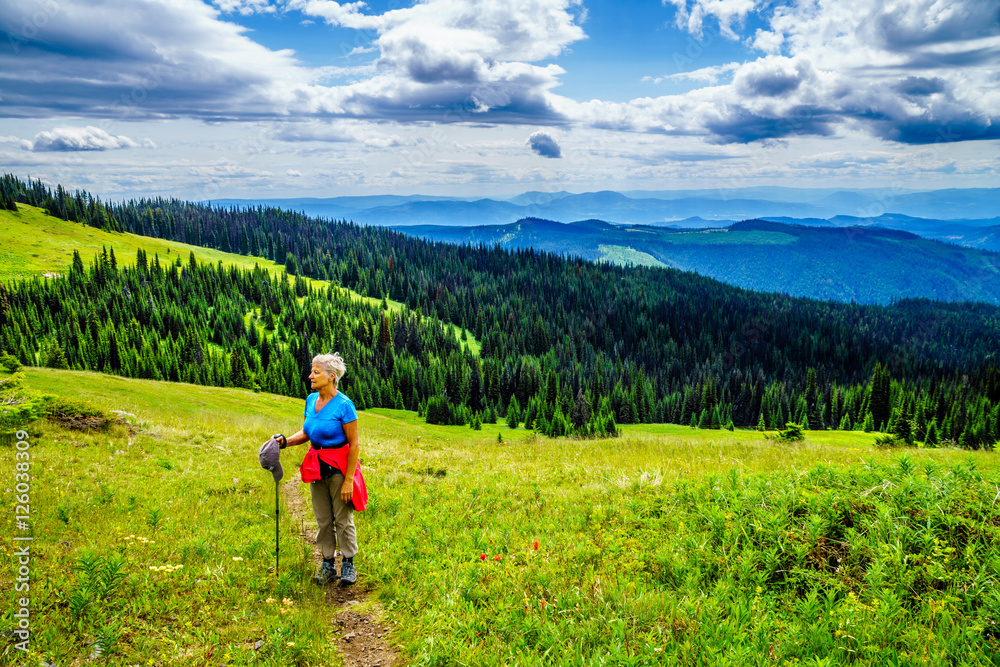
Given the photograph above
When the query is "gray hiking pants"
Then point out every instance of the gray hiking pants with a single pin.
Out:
(332, 514)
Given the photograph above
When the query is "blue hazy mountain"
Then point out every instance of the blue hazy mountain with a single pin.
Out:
(866, 264)
(675, 207)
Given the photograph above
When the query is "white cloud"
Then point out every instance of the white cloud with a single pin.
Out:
(915, 71)
(710, 75)
(130, 60)
(691, 14)
(294, 173)
(449, 60)
(246, 7)
(87, 138)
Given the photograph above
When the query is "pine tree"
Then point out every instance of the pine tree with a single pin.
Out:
(55, 357)
(879, 402)
(513, 413)
(291, 265)
(581, 410)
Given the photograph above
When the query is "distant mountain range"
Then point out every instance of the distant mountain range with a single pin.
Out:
(678, 207)
(865, 245)
(864, 264)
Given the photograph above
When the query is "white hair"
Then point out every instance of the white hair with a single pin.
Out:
(331, 363)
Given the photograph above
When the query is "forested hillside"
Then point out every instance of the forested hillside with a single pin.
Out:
(859, 264)
(566, 339)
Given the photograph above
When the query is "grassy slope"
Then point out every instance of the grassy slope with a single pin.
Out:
(33, 243)
(631, 534)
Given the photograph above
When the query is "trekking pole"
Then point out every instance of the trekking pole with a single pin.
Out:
(277, 534)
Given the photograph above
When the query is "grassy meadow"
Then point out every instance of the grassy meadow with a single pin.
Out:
(153, 542)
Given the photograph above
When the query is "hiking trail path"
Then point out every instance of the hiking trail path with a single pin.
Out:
(363, 635)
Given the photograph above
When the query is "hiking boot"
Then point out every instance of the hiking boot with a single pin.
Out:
(326, 573)
(348, 575)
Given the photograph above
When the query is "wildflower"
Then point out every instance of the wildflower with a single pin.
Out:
(535, 545)
(542, 603)
(237, 558)
(290, 644)
(270, 600)
(286, 601)
(498, 557)
(482, 556)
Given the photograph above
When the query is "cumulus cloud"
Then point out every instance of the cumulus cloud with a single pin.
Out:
(439, 60)
(543, 144)
(131, 60)
(454, 60)
(913, 72)
(87, 138)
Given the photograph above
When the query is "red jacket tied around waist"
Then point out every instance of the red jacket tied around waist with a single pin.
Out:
(338, 459)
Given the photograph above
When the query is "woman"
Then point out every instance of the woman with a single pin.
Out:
(331, 466)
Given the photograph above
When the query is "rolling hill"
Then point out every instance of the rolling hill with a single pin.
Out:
(860, 264)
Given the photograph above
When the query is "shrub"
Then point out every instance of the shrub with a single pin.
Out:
(889, 441)
(791, 432)
(10, 362)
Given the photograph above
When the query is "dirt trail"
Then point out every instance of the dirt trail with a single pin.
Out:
(364, 641)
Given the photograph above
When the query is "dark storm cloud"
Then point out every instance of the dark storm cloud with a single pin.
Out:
(543, 144)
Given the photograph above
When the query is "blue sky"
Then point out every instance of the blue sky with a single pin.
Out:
(274, 98)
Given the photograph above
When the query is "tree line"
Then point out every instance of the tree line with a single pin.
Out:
(582, 346)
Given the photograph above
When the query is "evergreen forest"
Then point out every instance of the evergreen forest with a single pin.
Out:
(567, 345)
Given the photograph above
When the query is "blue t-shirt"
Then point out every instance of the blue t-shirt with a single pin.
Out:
(326, 429)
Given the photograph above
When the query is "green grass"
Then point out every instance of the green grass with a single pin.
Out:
(33, 243)
(624, 255)
(668, 545)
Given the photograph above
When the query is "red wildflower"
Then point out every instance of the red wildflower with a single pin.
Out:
(535, 545)
(482, 556)
(497, 557)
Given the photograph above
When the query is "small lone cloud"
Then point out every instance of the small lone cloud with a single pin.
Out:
(294, 173)
(543, 144)
(88, 138)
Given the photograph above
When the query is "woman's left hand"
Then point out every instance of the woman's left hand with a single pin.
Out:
(347, 491)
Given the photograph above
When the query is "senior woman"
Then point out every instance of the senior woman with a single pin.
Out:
(331, 467)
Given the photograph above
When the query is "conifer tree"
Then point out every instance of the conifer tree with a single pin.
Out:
(513, 413)
(55, 357)
(879, 402)
(581, 410)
